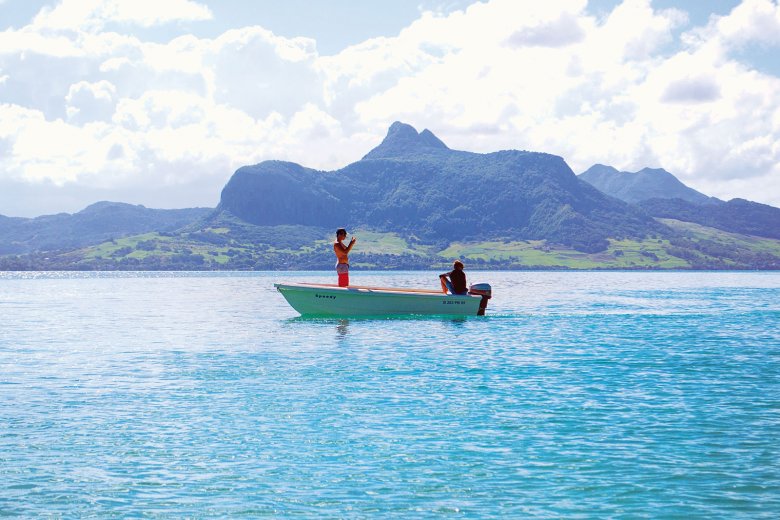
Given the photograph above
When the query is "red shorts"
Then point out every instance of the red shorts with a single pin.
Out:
(343, 272)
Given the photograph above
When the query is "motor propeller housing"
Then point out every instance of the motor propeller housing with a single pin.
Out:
(484, 290)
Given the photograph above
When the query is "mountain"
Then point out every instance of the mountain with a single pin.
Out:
(648, 183)
(737, 215)
(403, 140)
(413, 184)
(97, 223)
(662, 195)
(415, 204)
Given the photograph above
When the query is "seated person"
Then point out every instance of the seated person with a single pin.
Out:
(455, 280)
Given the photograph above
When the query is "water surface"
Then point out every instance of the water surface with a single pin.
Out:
(581, 394)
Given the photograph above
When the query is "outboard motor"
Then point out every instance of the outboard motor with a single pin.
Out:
(484, 290)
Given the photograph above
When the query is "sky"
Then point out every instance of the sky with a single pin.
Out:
(158, 102)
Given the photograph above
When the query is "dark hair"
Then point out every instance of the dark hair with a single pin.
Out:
(341, 231)
(457, 264)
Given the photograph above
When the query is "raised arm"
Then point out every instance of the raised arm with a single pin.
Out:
(349, 247)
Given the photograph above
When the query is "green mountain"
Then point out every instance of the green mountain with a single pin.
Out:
(95, 224)
(737, 215)
(648, 183)
(414, 185)
(662, 195)
(414, 204)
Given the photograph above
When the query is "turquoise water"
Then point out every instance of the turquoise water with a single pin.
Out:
(580, 395)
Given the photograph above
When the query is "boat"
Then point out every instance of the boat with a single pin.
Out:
(312, 299)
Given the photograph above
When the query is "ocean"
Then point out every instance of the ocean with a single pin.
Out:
(204, 395)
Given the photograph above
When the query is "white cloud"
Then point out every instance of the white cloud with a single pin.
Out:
(95, 14)
(258, 72)
(167, 123)
(751, 21)
(691, 90)
(90, 101)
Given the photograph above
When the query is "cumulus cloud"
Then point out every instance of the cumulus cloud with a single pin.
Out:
(144, 119)
(563, 31)
(90, 101)
(259, 73)
(691, 90)
(751, 21)
(95, 14)
(166, 123)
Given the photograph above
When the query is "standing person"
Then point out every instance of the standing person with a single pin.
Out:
(455, 280)
(342, 252)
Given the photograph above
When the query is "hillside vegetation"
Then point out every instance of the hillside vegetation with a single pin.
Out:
(97, 223)
(238, 246)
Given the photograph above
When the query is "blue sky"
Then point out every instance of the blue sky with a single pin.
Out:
(157, 102)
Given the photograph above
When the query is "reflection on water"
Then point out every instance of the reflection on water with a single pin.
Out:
(342, 329)
(342, 325)
(380, 324)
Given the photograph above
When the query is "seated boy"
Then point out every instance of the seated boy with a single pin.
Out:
(455, 280)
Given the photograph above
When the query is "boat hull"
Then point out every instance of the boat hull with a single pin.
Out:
(327, 300)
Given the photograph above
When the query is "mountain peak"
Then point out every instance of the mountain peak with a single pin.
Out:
(402, 140)
(599, 170)
(106, 205)
(399, 129)
(647, 183)
(658, 172)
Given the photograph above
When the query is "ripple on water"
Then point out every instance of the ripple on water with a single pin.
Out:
(580, 395)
